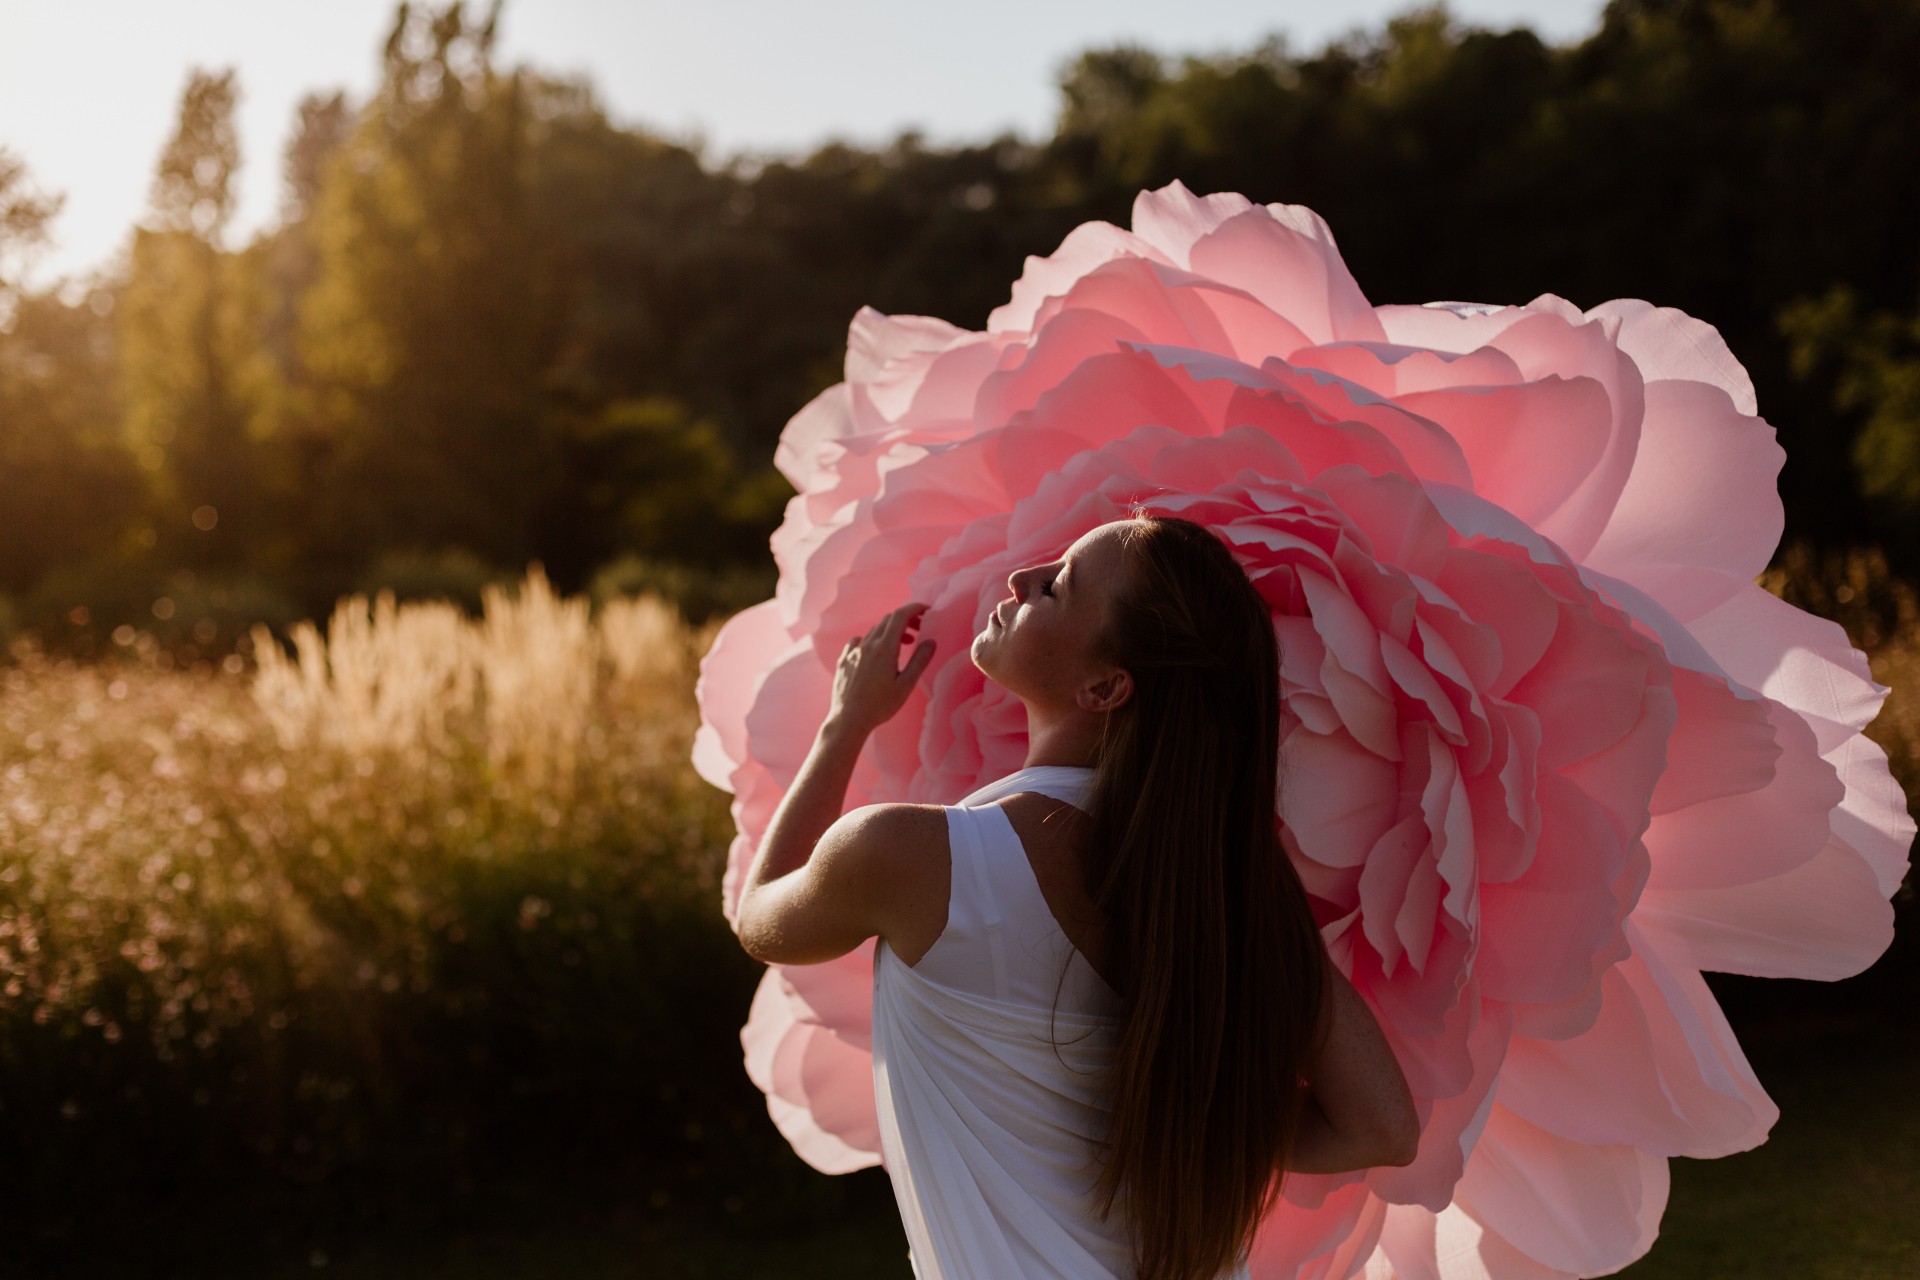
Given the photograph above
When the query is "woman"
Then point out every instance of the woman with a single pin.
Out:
(1104, 1021)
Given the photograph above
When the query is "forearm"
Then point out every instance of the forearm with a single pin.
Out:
(811, 805)
(1358, 1111)
(776, 904)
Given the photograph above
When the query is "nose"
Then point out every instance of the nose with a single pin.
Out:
(1017, 581)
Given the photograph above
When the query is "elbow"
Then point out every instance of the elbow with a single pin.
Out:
(746, 930)
(1399, 1141)
(1400, 1150)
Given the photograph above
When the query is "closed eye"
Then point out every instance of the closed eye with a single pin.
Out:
(1046, 587)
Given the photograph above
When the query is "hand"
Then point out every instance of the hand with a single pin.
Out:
(870, 686)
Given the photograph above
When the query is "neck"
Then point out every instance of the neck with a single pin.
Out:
(1071, 738)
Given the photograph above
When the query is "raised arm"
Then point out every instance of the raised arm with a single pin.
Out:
(820, 883)
(1358, 1111)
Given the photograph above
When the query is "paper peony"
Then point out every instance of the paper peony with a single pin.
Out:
(1549, 752)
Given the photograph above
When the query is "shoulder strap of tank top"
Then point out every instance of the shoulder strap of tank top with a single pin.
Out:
(1068, 783)
(975, 907)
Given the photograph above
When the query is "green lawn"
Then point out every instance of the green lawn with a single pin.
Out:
(1834, 1192)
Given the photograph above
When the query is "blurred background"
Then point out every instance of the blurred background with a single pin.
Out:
(361, 525)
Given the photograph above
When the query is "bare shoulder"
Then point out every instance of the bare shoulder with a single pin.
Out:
(891, 830)
(895, 859)
(1054, 834)
(1051, 829)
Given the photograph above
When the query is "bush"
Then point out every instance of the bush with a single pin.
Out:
(453, 574)
(700, 595)
(77, 609)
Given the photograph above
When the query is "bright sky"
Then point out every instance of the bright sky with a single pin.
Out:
(88, 88)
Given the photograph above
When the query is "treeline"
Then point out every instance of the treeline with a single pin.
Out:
(491, 326)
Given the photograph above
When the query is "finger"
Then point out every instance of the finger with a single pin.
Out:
(922, 655)
(896, 622)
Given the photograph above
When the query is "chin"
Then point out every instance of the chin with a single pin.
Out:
(973, 653)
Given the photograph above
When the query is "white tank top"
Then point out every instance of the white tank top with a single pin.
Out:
(988, 1088)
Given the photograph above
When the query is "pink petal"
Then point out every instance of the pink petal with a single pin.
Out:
(1452, 327)
(1085, 248)
(1172, 218)
(1794, 658)
(1739, 838)
(1555, 343)
(1584, 1209)
(1054, 355)
(1670, 344)
(1702, 490)
(812, 1078)
(751, 642)
(802, 454)
(1587, 686)
(1336, 826)
(1826, 919)
(1284, 255)
(1418, 1244)
(1532, 447)
(1392, 370)
(1291, 1237)
(1480, 1031)
(1660, 1068)
(1554, 930)
(890, 356)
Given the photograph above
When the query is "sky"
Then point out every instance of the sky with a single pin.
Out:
(89, 88)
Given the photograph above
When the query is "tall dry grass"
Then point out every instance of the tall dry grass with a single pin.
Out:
(527, 683)
(405, 880)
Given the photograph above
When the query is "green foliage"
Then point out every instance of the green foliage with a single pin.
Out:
(192, 616)
(195, 378)
(452, 573)
(700, 595)
(653, 482)
(68, 489)
(1872, 361)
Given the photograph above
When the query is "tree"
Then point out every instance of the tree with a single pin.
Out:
(190, 352)
(1872, 362)
(65, 485)
(24, 215)
(427, 328)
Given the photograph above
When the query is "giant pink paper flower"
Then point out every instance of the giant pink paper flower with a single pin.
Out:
(1550, 752)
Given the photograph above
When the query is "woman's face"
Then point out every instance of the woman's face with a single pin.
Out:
(1039, 641)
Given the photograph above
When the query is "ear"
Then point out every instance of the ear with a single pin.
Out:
(1108, 693)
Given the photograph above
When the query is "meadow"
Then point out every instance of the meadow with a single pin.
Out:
(393, 949)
